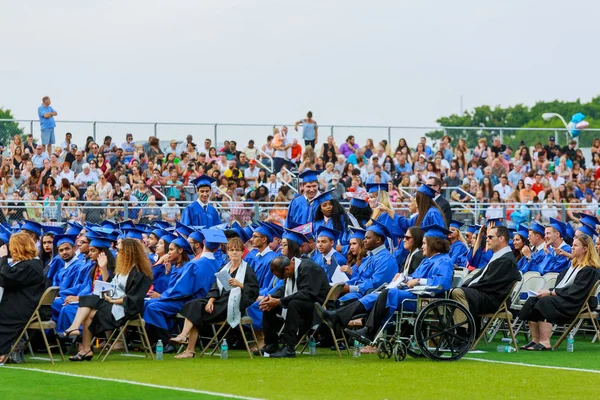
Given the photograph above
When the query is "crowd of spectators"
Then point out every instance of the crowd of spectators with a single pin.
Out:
(96, 181)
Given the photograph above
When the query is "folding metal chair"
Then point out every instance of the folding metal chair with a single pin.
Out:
(333, 296)
(532, 281)
(584, 313)
(215, 339)
(550, 280)
(119, 334)
(36, 322)
(501, 314)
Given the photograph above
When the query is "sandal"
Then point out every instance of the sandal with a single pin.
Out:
(67, 337)
(3, 359)
(179, 340)
(528, 346)
(541, 347)
(83, 356)
(185, 354)
(368, 350)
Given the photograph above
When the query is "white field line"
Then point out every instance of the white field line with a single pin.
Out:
(593, 371)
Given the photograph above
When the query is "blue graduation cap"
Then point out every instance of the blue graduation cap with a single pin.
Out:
(569, 231)
(435, 231)
(161, 224)
(134, 234)
(183, 244)
(376, 187)
(109, 224)
(473, 228)
(32, 226)
(246, 233)
(589, 191)
(61, 239)
(496, 221)
(4, 238)
(203, 180)
(327, 232)
(523, 231)
(55, 230)
(587, 230)
(99, 242)
(197, 236)
(309, 176)
(357, 233)
(183, 229)
(266, 231)
(322, 198)
(537, 228)
(168, 238)
(379, 228)
(294, 236)
(559, 226)
(213, 238)
(427, 191)
(144, 228)
(277, 229)
(100, 231)
(456, 224)
(589, 219)
(75, 228)
(358, 203)
(158, 233)
(126, 225)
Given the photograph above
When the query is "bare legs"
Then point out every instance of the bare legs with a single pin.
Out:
(541, 332)
(189, 331)
(84, 317)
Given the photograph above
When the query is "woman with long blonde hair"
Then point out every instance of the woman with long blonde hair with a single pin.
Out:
(560, 304)
(125, 300)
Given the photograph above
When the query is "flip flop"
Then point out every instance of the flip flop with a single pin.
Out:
(541, 347)
(528, 346)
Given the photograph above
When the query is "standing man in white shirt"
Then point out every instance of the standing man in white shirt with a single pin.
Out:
(503, 188)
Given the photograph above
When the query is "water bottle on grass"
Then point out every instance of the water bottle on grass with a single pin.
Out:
(312, 346)
(571, 342)
(159, 350)
(505, 349)
(356, 352)
(224, 350)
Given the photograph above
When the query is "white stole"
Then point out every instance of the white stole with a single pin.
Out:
(234, 315)
(569, 278)
(291, 287)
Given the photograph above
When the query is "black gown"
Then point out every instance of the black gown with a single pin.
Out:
(486, 295)
(563, 307)
(23, 283)
(194, 310)
(136, 288)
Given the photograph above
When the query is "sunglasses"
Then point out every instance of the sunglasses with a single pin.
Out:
(407, 237)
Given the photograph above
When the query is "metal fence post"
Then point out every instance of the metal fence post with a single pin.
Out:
(563, 209)
(126, 210)
(94, 129)
(501, 136)
(156, 130)
(331, 134)
(504, 211)
(31, 127)
(216, 143)
(390, 136)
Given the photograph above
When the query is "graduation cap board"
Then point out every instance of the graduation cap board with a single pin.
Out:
(537, 228)
(327, 232)
(213, 238)
(357, 233)
(59, 240)
(435, 231)
(99, 242)
(587, 230)
(427, 191)
(473, 228)
(523, 231)
(294, 236)
(379, 228)
(322, 198)
(54, 230)
(183, 244)
(203, 180)
(309, 176)
(182, 229)
(559, 226)
(456, 224)
(197, 236)
(358, 203)
(32, 226)
(266, 231)
(589, 219)
(376, 187)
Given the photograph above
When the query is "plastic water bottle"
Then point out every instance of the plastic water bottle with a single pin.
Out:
(505, 349)
(356, 352)
(159, 350)
(224, 350)
(312, 346)
(508, 340)
(571, 342)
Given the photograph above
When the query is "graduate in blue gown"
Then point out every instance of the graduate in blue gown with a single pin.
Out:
(63, 260)
(301, 209)
(161, 269)
(520, 240)
(378, 195)
(330, 213)
(436, 270)
(377, 268)
(556, 259)
(260, 260)
(359, 212)
(479, 256)
(534, 254)
(326, 255)
(200, 213)
(458, 248)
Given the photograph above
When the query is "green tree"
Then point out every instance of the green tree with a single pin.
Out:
(8, 129)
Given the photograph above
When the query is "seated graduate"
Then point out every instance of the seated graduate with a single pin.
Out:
(520, 240)
(458, 245)
(378, 268)
(222, 302)
(556, 248)
(326, 255)
(305, 284)
(100, 313)
(46, 252)
(261, 260)
(378, 196)
(359, 213)
(356, 252)
(206, 265)
(480, 255)
(65, 259)
(534, 253)
(485, 291)
(293, 244)
(413, 241)
(330, 213)
(161, 268)
(101, 268)
(23, 282)
(561, 304)
(435, 270)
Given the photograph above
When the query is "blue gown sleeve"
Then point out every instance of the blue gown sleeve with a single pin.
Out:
(384, 269)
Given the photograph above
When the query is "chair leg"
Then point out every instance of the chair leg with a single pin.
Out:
(29, 344)
(47, 345)
(565, 333)
(596, 329)
(335, 342)
(245, 340)
(483, 331)
(255, 340)
(119, 334)
(107, 343)
(23, 332)
(512, 333)
(215, 338)
(58, 344)
(146, 340)
(346, 342)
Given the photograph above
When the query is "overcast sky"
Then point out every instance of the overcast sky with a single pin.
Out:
(350, 62)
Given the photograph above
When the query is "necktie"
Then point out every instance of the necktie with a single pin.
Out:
(205, 207)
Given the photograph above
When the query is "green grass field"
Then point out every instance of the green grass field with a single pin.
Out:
(324, 376)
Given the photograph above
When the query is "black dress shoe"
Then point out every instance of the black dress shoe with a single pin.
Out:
(326, 316)
(362, 335)
(169, 349)
(269, 349)
(285, 352)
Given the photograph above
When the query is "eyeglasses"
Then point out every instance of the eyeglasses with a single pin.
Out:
(234, 250)
(491, 237)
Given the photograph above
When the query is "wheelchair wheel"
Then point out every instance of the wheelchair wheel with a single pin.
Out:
(399, 351)
(439, 336)
(384, 349)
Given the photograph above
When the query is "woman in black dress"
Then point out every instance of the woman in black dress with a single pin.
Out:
(220, 304)
(23, 283)
(132, 279)
(561, 304)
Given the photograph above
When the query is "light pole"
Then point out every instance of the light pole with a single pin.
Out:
(549, 116)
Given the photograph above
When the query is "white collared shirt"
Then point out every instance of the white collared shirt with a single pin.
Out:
(329, 255)
(496, 256)
(208, 254)
(377, 250)
(265, 251)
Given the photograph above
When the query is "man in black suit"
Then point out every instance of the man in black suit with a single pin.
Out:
(489, 287)
(305, 283)
(436, 184)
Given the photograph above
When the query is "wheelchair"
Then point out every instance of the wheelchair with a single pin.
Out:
(430, 331)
